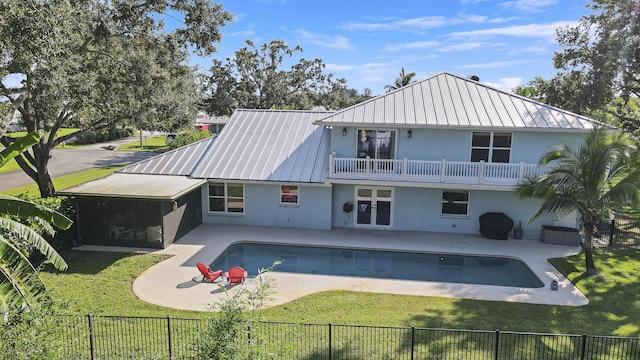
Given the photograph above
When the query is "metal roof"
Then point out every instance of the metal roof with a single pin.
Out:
(447, 100)
(180, 161)
(269, 145)
(165, 187)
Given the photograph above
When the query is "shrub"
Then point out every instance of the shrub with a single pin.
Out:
(226, 335)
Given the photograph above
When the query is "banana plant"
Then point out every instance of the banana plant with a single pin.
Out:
(20, 283)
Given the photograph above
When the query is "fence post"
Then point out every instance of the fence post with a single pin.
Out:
(169, 336)
(612, 231)
(330, 340)
(413, 337)
(497, 344)
(91, 347)
(584, 346)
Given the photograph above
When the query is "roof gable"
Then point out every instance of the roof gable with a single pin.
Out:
(447, 100)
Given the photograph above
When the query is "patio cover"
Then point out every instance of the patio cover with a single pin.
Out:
(139, 186)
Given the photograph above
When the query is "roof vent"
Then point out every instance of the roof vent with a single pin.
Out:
(474, 77)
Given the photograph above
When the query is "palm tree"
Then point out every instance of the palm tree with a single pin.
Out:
(402, 80)
(20, 283)
(596, 179)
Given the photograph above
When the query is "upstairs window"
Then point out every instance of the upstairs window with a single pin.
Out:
(376, 144)
(289, 194)
(226, 198)
(491, 147)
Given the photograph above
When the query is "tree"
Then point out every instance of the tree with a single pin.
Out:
(601, 57)
(95, 64)
(20, 284)
(596, 179)
(402, 80)
(255, 78)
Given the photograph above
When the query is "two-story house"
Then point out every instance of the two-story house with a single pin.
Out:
(431, 156)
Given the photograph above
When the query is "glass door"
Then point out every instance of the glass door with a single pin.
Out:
(374, 206)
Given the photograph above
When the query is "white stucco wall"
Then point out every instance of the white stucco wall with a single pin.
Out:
(262, 208)
(455, 144)
(419, 209)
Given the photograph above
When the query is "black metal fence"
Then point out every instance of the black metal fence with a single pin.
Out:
(108, 337)
(619, 232)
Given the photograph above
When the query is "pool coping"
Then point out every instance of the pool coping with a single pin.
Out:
(170, 283)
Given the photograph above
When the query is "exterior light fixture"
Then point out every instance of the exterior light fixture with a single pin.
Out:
(344, 131)
(409, 133)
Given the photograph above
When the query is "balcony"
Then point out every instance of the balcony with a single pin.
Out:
(449, 172)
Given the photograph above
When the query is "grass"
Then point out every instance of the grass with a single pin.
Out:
(100, 283)
(156, 143)
(63, 182)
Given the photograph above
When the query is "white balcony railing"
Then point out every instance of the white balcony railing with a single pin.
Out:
(454, 172)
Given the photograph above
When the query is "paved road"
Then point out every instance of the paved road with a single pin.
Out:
(69, 161)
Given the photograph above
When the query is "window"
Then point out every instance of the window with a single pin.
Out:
(227, 198)
(376, 144)
(455, 202)
(289, 194)
(491, 147)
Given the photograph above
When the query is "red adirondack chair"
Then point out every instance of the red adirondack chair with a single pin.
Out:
(236, 275)
(208, 273)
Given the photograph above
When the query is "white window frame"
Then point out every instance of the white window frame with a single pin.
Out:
(442, 202)
(394, 149)
(295, 195)
(226, 198)
(491, 146)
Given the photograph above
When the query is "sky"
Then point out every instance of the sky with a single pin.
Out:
(505, 42)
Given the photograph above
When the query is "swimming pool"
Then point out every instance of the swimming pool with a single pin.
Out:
(384, 264)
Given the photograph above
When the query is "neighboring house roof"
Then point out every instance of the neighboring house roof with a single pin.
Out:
(161, 187)
(269, 145)
(180, 161)
(451, 101)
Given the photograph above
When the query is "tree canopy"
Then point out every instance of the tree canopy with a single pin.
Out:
(598, 65)
(257, 79)
(94, 64)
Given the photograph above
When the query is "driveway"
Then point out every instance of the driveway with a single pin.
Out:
(68, 161)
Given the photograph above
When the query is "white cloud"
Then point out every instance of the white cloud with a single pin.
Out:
(527, 6)
(333, 42)
(528, 30)
(506, 84)
(420, 23)
(466, 46)
(412, 45)
(495, 64)
(338, 67)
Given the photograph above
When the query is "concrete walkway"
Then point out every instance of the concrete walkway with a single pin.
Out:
(170, 283)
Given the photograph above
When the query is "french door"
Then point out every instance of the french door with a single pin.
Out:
(374, 206)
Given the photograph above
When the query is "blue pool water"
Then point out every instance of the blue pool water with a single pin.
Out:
(379, 264)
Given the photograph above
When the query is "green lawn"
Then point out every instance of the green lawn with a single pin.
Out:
(65, 181)
(156, 143)
(100, 283)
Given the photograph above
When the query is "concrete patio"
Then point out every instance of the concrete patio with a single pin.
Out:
(170, 283)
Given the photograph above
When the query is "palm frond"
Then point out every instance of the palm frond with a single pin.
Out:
(19, 280)
(11, 205)
(18, 147)
(34, 239)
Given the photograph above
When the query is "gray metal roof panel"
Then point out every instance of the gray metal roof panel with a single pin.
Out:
(447, 100)
(180, 161)
(269, 145)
